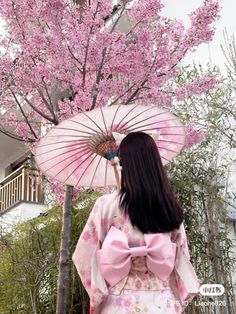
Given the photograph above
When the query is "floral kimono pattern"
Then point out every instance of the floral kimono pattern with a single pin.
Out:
(141, 291)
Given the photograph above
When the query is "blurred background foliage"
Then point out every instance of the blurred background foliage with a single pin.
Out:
(200, 178)
(29, 262)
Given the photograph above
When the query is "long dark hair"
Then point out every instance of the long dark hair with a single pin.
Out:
(145, 194)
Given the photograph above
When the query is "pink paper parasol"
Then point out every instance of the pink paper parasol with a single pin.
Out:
(79, 150)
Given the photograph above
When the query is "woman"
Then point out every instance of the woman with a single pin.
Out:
(132, 255)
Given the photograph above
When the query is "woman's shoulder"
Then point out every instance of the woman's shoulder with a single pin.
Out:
(107, 197)
(108, 201)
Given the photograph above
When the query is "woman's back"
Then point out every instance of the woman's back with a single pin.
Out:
(140, 290)
(145, 193)
(140, 277)
(132, 255)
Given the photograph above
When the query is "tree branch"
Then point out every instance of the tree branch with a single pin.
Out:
(50, 102)
(76, 59)
(119, 17)
(98, 77)
(23, 114)
(14, 136)
(159, 75)
(87, 48)
(136, 92)
(122, 95)
(38, 111)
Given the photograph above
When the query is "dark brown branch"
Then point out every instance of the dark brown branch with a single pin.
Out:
(21, 120)
(122, 95)
(159, 75)
(98, 78)
(136, 92)
(142, 84)
(39, 112)
(87, 48)
(74, 57)
(23, 114)
(45, 101)
(50, 102)
(14, 136)
(119, 17)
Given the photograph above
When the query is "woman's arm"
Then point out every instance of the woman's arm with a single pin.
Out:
(186, 277)
(84, 258)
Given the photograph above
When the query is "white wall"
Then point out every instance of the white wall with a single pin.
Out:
(10, 151)
(12, 158)
(20, 213)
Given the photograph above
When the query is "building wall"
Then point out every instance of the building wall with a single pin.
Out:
(19, 213)
(10, 151)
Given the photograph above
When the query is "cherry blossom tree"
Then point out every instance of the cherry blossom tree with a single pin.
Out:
(59, 58)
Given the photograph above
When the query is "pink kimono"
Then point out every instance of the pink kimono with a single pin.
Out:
(131, 272)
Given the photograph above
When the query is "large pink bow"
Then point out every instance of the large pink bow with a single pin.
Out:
(114, 258)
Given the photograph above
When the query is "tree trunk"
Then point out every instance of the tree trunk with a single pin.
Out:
(64, 260)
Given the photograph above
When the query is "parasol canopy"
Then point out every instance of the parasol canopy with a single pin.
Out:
(79, 150)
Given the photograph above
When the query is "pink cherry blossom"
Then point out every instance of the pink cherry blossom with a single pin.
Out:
(58, 59)
(193, 135)
(205, 83)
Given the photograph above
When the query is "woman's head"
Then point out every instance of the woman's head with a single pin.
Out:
(145, 194)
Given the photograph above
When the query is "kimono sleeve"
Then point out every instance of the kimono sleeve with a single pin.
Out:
(186, 277)
(84, 258)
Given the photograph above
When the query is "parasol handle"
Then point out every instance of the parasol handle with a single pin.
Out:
(114, 164)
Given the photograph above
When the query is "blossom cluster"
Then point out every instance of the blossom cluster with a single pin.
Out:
(205, 83)
(59, 58)
(193, 135)
(58, 44)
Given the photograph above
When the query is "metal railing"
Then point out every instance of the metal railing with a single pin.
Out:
(22, 185)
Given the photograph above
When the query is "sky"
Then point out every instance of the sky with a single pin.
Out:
(211, 52)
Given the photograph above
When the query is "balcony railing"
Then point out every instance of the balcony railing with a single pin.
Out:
(22, 185)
